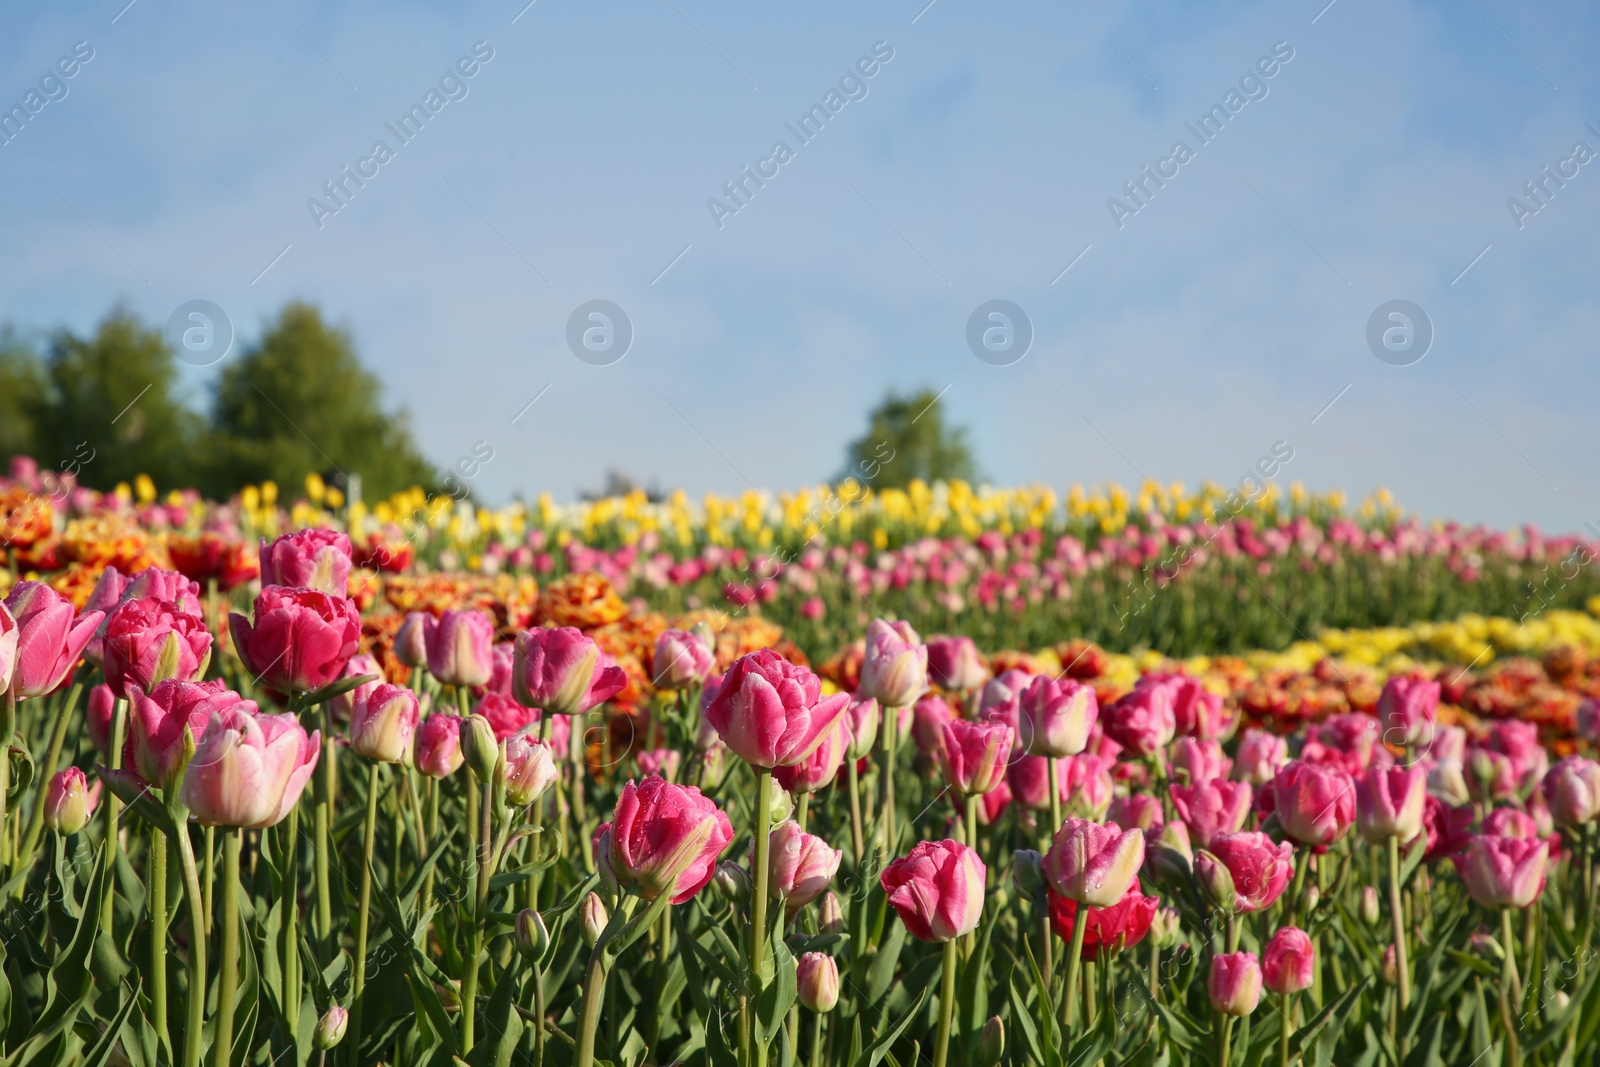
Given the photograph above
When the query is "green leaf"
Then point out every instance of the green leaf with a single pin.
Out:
(334, 689)
(881, 971)
(772, 1006)
(504, 1023)
(873, 1054)
(972, 989)
(101, 1051)
(1336, 1009)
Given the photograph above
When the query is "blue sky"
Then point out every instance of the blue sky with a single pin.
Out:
(1223, 316)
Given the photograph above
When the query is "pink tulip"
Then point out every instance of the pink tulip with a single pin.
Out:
(1518, 741)
(1055, 716)
(301, 639)
(102, 706)
(1314, 805)
(664, 838)
(929, 716)
(1197, 712)
(1195, 761)
(681, 660)
(895, 670)
(818, 770)
(382, 723)
(506, 715)
(817, 981)
(439, 745)
(661, 761)
(1406, 709)
(156, 723)
(249, 770)
(183, 593)
(1261, 755)
(1234, 984)
(411, 640)
(458, 648)
(1572, 789)
(149, 641)
(1260, 869)
(529, 770)
(313, 558)
(1028, 777)
(360, 665)
(1289, 961)
(861, 727)
(1347, 742)
(802, 865)
(1087, 785)
(1136, 811)
(559, 669)
(502, 668)
(1093, 864)
(955, 664)
(1503, 872)
(1389, 803)
(69, 801)
(1144, 721)
(771, 712)
(973, 756)
(937, 890)
(1512, 823)
(1213, 807)
(9, 636)
(50, 637)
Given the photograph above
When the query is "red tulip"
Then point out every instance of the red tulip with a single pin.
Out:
(1110, 929)
(771, 712)
(937, 890)
(1289, 961)
(558, 669)
(313, 558)
(301, 639)
(664, 838)
(51, 636)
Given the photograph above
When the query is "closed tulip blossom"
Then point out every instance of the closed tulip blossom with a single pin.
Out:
(459, 644)
(1197, 712)
(1259, 868)
(149, 641)
(101, 708)
(382, 723)
(558, 669)
(1390, 803)
(313, 558)
(681, 660)
(1001, 701)
(929, 717)
(506, 715)
(1212, 807)
(1093, 864)
(1289, 961)
(411, 640)
(771, 712)
(1234, 984)
(937, 890)
(817, 981)
(1029, 779)
(1108, 930)
(502, 665)
(802, 865)
(1055, 716)
(1315, 805)
(529, 770)
(156, 747)
(1572, 789)
(1194, 761)
(51, 635)
(1406, 709)
(861, 727)
(1136, 811)
(973, 757)
(438, 740)
(1144, 721)
(1086, 785)
(361, 665)
(895, 670)
(1260, 757)
(955, 664)
(662, 761)
(664, 838)
(301, 639)
(1503, 872)
(818, 770)
(249, 770)
(69, 801)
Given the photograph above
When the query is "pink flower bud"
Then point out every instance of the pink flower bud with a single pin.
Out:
(801, 865)
(660, 761)
(1406, 709)
(1572, 789)
(1289, 961)
(249, 770)
(817, 978)
(557, 669)
(1261, 755)
(1503, 872)
(771, 712)
(313, 558)
(102, 707)
(665, 838)
(1195, 761)
(973, 756)
(411, 640)
(480, 747)
(928, 718)
(382, 723)
(1055, 716)
(459, 645)
(1093, 864)
(439, 745)
(1144, 721)
(529, 770)
(681, 660)
(861, 726)
(361, 665)
(1390, 803)
(937, 890)
(1234, 984)
(68, 801)
(1315, 805)
(895, 670)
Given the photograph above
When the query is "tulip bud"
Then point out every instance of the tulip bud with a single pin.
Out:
(991, 1042)
(1234, 984)
(1391, 972)
(1561, 1000)
(817, 981)
(594, 918)
(531, 936)
(67, 802)
(1288, 964)
(1215, 880)
(1313, 898)
(732, 882)
(479, 747)
(782, 806)
(1165, 927)
(831, 921)
(1369, 905)
(1027, 870)
(410, 642)
(331, 1027)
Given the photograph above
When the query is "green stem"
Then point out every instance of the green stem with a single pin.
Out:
(323, 828)
(947, 1005)
(1510, 989)
(594, 986)
(197, 947)
(1402, 972)
(891, 719)
(222, 1038)
(485, 850)
(210, 845)
(1069, 1004)
(369, 838)
(291, 914)
(58, 736)
(857, 842)
(1225, 1047)
(758, 899)
(113, 806)
(157, 907)
(815, 1059)
(1285, 1026)
(1053, 773)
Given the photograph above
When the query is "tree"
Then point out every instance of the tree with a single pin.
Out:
(111, 398)
(907, 438)
(23, 393)
(300, 401)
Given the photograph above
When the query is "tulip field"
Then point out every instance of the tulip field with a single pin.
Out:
(957, 775)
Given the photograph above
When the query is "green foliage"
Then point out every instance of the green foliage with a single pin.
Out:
(907, 438)
(301, 401)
